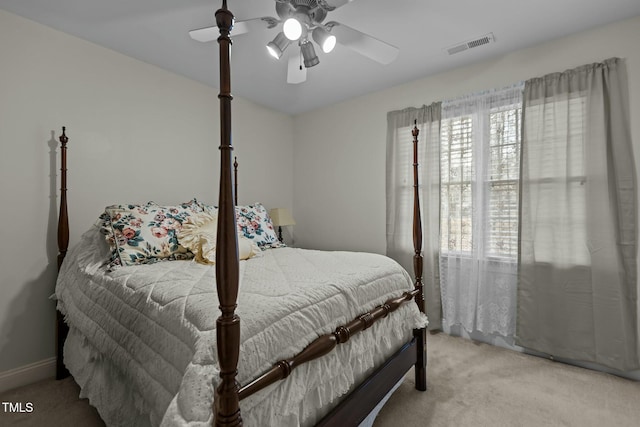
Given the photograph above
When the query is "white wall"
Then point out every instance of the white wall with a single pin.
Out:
(339, 151)
(136, 133)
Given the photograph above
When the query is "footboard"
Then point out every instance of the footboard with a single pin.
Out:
(325, 344)
(364, 398)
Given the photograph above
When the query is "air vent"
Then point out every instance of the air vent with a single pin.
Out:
(470, 44)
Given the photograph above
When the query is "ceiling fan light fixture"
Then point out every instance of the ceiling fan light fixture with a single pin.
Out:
(309, 54)
(298, 19)
(292, 29)
(278, 45)
(325, 40)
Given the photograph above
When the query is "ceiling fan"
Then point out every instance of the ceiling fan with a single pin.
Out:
(303, 21)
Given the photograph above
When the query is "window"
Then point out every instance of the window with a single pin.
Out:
(404, 191)
(479, 210)
(477, 172)
(456, 178)
(556, 143)
(502, 182)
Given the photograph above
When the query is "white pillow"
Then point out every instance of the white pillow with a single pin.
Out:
(199, 232)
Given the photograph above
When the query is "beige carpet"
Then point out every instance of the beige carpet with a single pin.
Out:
(55, 404)
(469, 385)
(472, 384)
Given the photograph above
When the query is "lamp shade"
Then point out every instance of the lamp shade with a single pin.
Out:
(281, 217)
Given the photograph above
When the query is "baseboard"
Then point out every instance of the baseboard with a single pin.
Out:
(28, 374)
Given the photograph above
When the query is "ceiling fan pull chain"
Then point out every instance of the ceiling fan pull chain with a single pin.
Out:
(300, 57)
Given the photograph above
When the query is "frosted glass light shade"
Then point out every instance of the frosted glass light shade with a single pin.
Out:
(309, 54)
(325, 40)
(278, 45)
(292, 29)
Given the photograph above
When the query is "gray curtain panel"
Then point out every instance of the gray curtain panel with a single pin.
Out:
(399, 193)
(577, 287)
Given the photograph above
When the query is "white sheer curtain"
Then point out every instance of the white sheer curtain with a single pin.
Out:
(399, 189)
(480, 150)
(578, 290)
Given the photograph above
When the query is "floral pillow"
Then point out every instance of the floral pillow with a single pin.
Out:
(144, 234)
(199, 232)
(104, 224)
(255, 224)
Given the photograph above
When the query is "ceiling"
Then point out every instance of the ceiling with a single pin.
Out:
(156, 32)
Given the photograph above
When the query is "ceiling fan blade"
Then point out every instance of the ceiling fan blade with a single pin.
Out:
(208, 34)
(204, 35)
(296, 72)
(364, 44)
(333, 4)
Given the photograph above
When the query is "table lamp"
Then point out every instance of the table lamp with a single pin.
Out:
(281, 217)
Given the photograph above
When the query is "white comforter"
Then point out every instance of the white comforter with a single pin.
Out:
(155, 325)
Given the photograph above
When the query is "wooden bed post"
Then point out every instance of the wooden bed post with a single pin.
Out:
(63, 244)
(226, 403)
(420, 334)
(63, 217)
(235, 180)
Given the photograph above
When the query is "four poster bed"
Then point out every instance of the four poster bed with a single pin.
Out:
(143, 342)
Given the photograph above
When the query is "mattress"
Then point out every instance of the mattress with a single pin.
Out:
(145, 335)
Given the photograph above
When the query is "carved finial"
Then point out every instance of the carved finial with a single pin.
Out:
(224, 19)
(63, 138)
